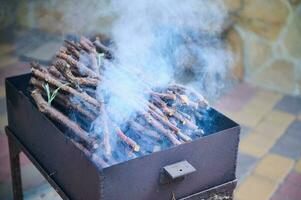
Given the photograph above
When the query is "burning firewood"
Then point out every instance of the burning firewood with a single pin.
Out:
(80, 67)
(126, 139)
(143, 130)
(64, 68)
(157, 125)
(48, 78)
(54, 114)
(63, 100)
(168, 115)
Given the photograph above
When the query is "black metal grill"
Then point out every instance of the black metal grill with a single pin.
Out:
(199, 169)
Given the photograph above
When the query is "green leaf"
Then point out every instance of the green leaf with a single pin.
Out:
(50, 96)
(46, 88)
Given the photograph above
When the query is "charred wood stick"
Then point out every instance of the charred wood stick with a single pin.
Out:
(56, 115)
(201, 101)
(164, 121)
(84, 42)
(144, 131)
(175, 129)
(184, 100)
(162, 105)
(73, 51)
(64, 101)
(157, 110)
(76, 107)
(127, 139)
(185, 121)
(48, 78)
(65, 70)
(157, 125)
(101, 48)
(84, 70)
(166, 96)
(87, 41)
(178, 88)
(54, 72)
(73, 44)
(183, 136)
(176, 114)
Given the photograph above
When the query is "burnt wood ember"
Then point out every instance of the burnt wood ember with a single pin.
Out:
(173, 112)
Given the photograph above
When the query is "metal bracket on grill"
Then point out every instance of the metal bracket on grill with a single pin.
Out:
(175, 172)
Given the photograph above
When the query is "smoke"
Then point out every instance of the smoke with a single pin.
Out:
(158, 42)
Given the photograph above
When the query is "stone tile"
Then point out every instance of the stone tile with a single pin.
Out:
(289, 104)
(294, 130)
(290, 191)
(256, 145)
(44, 192)
(236, 45)
(24, 160)
(271, 129)
(290, 143)
(255, 188)
(244, 131)
(269, 96)
(31, 177)
(258, 54)
(298, 167)
(272, 77)
(257, 108)
(274, 167)
(278, 196)
(237, 98)
(256, 17)
(248, 117)
(292, 36)
(245, 164)
(280, 118)
(288, 147)
(294, 178)
(233, 5)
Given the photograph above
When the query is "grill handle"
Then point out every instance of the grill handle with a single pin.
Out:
(176, 172)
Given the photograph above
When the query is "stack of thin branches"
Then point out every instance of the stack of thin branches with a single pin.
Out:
(66, 92)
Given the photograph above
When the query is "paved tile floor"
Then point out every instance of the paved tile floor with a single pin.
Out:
(269, 160)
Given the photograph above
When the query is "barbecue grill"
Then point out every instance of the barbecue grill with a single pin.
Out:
(201, 169)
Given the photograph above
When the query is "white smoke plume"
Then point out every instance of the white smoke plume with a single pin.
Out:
(157, 42)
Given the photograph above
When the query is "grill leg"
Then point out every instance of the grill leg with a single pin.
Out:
(14, 155)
